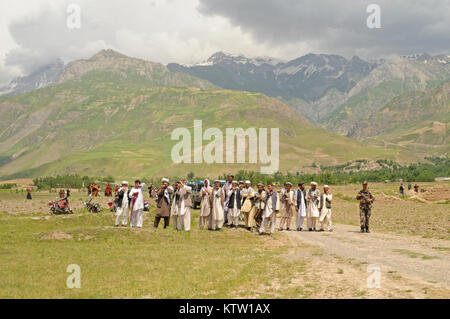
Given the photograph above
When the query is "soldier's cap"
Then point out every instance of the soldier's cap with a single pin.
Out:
(260, 184)
(365, 183)
(288, 183)
(241, 182)
(300, 184)
(234, 182)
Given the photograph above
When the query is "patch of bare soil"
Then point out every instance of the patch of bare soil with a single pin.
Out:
(436, 193)
(411, 266)
(56, 235)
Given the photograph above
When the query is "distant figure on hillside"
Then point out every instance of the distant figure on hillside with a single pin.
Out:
(108, 190)
(29, 193)
(416, 188)
(402, 191)
(62, 193)
(365, 207)
(409, 186)
(67, 193)
(95, 189)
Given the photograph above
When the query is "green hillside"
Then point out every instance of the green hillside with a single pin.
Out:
(418, 121)
(103, 121)
(389, 80)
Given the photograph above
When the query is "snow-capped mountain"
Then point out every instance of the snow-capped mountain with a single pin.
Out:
(309, 77)
(41, 78)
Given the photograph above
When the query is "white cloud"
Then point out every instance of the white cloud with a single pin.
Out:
(33, 33)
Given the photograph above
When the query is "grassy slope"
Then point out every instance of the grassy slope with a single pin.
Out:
(103, 124)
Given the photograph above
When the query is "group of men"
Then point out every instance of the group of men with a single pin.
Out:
(259, 208)
(233, 201)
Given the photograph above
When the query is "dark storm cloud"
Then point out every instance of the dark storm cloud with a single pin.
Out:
(340, 26)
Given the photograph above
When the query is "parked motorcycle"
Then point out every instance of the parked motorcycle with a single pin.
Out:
(93, 208)
(60, 207)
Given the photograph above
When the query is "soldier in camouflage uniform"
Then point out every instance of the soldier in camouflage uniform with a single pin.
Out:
(365, 206)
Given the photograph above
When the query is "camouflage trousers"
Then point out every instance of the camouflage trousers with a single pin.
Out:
(364, 216)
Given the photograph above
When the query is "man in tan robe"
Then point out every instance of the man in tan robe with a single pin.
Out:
(205, 205)
(164, 195)
(247, 207)
(184, 206)
(288, 203)
(260, 204)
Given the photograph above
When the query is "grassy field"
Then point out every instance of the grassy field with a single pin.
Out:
(36, 249)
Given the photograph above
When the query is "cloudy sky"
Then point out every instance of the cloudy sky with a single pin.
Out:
(33, 33)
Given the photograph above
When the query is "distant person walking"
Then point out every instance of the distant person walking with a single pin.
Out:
(416, 188)
(29, 193)
(402, 191)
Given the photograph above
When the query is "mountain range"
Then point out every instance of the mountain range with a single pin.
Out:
(112, 114)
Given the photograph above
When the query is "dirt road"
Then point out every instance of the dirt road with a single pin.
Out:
(413, 257)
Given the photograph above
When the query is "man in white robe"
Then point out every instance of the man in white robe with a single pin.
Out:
(300, 206)
(312, 211)
(217, 206)
(271, 210)
(184, 206)
(137, 204)
(122, 205)
(205, 205)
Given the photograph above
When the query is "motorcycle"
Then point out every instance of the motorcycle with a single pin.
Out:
(93, 208)
(60, 207)
(112, 206)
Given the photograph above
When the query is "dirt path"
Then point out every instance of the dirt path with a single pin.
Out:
(419, 259)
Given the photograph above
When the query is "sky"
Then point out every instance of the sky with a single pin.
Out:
(34, 33)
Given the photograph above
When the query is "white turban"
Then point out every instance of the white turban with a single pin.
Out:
(164, 180)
